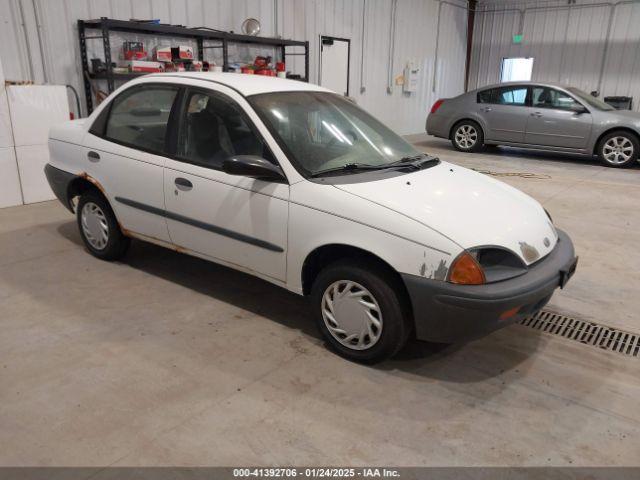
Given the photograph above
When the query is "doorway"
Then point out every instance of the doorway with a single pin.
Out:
(334, 63)
(516, 69)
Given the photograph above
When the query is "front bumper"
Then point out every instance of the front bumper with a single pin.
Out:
(449, 313)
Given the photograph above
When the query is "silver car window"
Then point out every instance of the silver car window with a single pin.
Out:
(545, 97)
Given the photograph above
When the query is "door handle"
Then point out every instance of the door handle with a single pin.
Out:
(486, 109)
(93, 156)
(183, 184)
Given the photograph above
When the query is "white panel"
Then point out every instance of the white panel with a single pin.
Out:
(6, 136)
(31, 162)
(10, 194)
(34, 109)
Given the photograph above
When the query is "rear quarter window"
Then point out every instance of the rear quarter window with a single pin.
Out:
(486, 96)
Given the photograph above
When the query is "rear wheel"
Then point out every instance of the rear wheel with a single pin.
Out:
(618, 149)
(467, 136)
(359, 311)
(99, 228)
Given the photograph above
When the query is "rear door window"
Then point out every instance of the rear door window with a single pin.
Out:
(516, 96)
(138, 117)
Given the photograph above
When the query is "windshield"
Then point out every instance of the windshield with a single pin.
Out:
(590, 99)
(324, 131)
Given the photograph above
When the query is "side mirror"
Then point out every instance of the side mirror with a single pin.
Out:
(578, 109)
(253, 166)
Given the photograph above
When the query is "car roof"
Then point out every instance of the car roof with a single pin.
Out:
(244, 83)
(509, 84)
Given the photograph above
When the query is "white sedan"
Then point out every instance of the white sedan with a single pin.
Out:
(295, 184)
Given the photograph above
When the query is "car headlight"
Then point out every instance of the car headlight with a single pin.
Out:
(485, 265)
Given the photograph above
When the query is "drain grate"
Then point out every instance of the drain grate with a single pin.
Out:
(590, 333)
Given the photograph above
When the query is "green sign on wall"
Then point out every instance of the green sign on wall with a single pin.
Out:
(517, 38)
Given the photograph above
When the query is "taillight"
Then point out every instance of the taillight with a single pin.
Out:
(465, 270)
(437, 105)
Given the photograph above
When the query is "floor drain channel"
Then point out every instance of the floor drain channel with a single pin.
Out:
(590, 333)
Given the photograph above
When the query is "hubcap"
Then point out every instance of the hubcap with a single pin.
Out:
(617, 150)
(94, 225)
(352, 315)
(466, 136)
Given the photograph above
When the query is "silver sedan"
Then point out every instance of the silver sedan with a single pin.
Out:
(538, 116)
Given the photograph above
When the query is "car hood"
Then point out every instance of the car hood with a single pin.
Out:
(469, 208)
(625, 115)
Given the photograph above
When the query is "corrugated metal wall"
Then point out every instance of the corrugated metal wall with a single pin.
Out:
(415, 39)
(591, 44)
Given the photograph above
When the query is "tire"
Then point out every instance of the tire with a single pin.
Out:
(99, 228)
(618, 149)
(376, 288)
(467, 136)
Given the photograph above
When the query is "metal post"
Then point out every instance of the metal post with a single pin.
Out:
(85, 67)
(306, 61)
(435, 58)
(225, 55)
(471, 17)
(200, 48)
(106, 44)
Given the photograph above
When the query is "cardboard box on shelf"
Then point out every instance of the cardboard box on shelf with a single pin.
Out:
(133, 51)
(144, 66)
(162, 54)
(182, 52)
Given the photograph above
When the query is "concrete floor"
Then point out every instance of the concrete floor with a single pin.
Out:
(164, 359)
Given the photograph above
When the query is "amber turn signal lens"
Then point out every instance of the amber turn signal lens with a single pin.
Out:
(466, 271)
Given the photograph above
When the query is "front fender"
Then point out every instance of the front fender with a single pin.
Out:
(407, 246)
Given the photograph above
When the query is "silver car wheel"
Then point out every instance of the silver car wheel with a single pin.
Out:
(94, 225)
(352, 315)
(466, 136)
(617, 150)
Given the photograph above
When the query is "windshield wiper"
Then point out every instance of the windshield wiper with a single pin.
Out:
(415, 161)
(349, 167)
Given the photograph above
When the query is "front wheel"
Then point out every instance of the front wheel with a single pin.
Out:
(618, 149)
(467, 136)
(359, 311)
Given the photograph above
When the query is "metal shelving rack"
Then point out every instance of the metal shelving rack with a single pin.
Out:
(106, 25)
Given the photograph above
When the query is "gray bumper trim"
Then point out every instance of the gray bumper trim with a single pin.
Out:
(449, 313)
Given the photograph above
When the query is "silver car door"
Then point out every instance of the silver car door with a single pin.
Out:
(554, 121)
(505, 113)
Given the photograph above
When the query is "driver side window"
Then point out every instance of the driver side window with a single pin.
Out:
(214, 128)
(545, 97)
